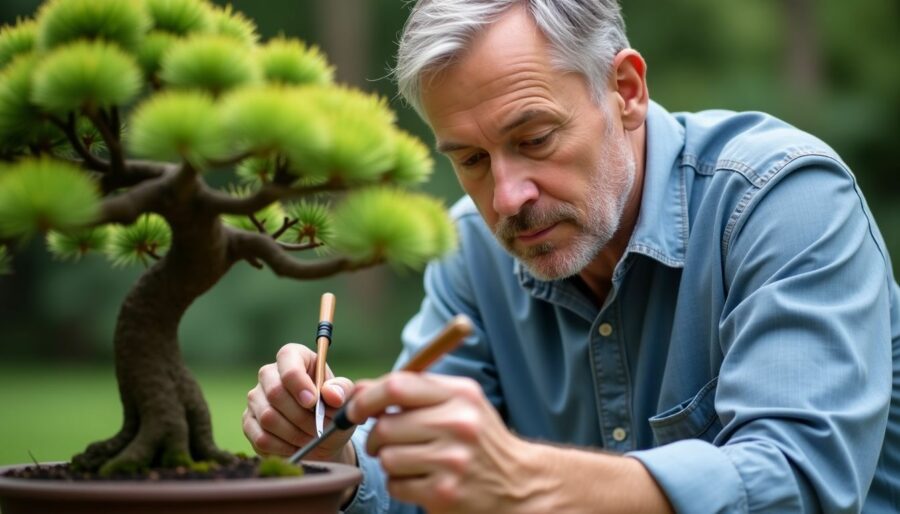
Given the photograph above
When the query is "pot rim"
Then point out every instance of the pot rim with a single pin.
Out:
(339, 476)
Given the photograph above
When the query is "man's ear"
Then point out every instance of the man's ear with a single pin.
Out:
(633, 99)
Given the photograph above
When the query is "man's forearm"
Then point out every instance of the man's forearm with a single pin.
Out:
(576, 480)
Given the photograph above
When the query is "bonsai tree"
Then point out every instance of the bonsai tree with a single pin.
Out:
(114, 114)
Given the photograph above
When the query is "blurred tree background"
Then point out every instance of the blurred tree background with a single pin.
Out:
(830, 67)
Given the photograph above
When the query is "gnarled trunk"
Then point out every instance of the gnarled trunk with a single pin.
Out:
(166, 420)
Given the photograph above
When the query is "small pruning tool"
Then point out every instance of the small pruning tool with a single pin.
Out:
(323, 341)
(450, 337)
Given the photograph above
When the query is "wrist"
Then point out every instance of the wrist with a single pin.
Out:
(545, 483)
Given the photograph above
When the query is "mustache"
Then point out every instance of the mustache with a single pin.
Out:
(530, 217)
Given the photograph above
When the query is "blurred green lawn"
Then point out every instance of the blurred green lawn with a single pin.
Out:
(55, 412)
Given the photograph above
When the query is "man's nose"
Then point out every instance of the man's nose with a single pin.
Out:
(513, 188)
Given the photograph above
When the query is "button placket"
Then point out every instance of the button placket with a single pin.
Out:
(611, 382)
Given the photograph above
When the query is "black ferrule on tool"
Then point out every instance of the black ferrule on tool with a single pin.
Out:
(325, 329)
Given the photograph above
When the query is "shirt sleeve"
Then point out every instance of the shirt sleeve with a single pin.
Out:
(805, 383)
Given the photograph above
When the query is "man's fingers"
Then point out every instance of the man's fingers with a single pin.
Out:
(294, 362)
(295, 429)
(404, 461)
(336, 390)
(402, 428)
(264, 443)
(278, 396)
(407, 390)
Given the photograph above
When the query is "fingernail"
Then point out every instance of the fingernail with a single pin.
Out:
(307, 399)
(338, 390)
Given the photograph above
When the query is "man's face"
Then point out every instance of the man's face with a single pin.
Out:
(548, 169)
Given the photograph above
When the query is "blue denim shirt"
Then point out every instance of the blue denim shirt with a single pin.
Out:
(748, 353)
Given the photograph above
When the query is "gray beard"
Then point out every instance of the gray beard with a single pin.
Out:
(596, 225)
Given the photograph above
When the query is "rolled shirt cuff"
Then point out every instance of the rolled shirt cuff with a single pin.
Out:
(696, 476)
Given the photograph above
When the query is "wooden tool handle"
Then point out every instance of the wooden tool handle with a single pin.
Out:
(452, 336)
(323, 337)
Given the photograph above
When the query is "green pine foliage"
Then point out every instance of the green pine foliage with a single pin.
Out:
(360, 127)
(75, 244)
(16, 40)
(412, 160)
(391, 224)
(441, 230)
(274, 119)
(85, 75)
(225, 21)
(149, 55)
(209, 62)
(176, 125)
(290, 61)
(37, 195)
(256, 171)
(215, 96)
(121, 22)
(20, 120)
(142, 242)
(314, 224)
(179, 17)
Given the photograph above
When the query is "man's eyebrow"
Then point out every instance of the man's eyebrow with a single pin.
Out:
(447, 147)
(523, 118)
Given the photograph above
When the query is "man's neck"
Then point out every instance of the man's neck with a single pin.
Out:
(597, 275)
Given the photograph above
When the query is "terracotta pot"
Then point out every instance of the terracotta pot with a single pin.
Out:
(311, 493)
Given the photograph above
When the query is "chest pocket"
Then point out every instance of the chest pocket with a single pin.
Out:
(694, 418)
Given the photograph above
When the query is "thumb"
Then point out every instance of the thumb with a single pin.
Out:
(336, 391)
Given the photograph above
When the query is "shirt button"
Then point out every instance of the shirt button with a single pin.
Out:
(619, 434)
(605, 329)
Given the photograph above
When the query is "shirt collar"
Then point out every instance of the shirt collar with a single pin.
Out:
(661, 231)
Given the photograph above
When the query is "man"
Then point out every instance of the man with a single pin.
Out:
(699, 306)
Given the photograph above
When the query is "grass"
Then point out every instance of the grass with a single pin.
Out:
(55, 412)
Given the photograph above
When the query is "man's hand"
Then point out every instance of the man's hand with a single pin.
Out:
(279, 417)
(446, 449)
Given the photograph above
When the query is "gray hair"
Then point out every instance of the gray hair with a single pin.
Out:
(585, 36)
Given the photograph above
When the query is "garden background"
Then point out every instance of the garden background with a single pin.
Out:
(830, 67)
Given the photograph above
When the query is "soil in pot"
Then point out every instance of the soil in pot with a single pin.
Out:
(229, 489)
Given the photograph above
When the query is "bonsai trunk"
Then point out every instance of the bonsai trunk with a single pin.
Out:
(165, 420)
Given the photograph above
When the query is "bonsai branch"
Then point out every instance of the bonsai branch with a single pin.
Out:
(286, 224)
(298, 247)
(145, 197)
(103, 123)
(115, 123)
(90, 160)
(258, 224)
(221, 203)
(252, 246)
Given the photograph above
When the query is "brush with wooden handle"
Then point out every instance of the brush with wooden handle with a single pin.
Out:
(323, 341)
(454, 332)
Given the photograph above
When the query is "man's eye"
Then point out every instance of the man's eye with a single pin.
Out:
(536, 142)
(473, 160)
